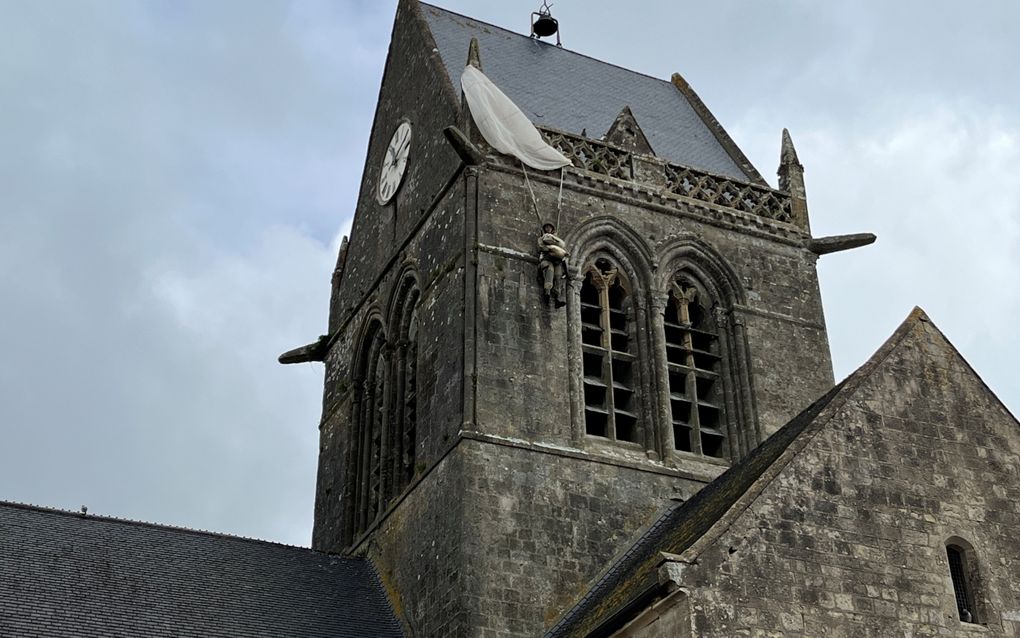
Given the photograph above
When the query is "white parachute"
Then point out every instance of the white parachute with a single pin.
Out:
(504, 126)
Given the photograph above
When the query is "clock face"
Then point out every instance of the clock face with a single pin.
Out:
(394, 163)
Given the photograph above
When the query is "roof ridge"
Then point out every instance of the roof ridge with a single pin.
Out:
(561, 48)
(435, 57)
(919, 314)
(161, 526)
(718, 130)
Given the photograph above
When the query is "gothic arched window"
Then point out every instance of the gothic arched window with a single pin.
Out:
(694, 362)
(609, 352)
(370, 432)
(963, 573)
(659, 357)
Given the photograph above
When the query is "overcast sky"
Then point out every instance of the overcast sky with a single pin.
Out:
(175, 175)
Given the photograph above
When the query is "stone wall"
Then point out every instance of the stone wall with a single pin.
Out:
(540, 498)
(850, 538)
(547, 507)
(420, 552)
(419, 234)
(539, 525)
(435, 258)
(524, 343)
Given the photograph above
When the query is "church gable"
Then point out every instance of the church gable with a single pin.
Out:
(626, 132)
(416, 102)
(892, 510)
(856, 533)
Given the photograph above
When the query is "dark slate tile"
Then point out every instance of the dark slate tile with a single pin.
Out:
(569, 91)
(63, 574)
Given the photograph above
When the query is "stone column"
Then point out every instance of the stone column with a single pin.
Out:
(396, 457)
(749, 414)
(648, 376)
(574, 355)
(734, 420)
(661, 376)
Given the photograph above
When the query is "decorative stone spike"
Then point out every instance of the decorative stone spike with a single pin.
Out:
(791, 180)
(335, 283)
(467, 125)
(788, 155)
(717, 130)
(341, 261)
(474, 57)
(627, 133)
(791, 171)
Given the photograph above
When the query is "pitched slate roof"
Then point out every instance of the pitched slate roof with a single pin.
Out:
(680, 526)
(64, 574)
(571, 92)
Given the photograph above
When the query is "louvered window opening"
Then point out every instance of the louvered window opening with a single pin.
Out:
(961, 588)
(369, 487)
(609, 358)
(693, 361)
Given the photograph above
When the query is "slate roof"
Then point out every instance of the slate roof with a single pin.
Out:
(681, 525)
(568, 91)
(64, 574)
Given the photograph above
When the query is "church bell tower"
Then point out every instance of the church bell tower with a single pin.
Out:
(499, 416)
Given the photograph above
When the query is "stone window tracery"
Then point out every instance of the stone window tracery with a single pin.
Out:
(659, 356)
(370, 432)
(693, 360)
(406, 439)
(383, 457)
(609, 354)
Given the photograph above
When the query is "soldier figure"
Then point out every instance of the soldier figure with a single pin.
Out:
(552, 259)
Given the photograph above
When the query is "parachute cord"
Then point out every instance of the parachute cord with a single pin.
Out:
(534, 202)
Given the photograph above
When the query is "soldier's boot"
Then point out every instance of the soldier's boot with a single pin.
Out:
(554, 294)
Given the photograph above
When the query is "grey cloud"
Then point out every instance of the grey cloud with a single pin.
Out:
(174, 176)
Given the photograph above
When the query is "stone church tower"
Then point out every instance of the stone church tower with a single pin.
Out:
(489, 447)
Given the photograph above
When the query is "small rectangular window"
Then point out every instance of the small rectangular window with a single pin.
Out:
(961, 586)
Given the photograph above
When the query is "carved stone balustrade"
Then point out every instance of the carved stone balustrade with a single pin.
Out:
(605, 159)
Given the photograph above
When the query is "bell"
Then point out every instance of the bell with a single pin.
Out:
(545, 25)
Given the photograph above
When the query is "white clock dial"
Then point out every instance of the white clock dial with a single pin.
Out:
(394, 163)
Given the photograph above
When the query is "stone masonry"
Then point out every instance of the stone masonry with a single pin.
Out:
(513, 507)
(933, 456)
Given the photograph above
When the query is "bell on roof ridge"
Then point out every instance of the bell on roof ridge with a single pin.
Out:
(543, 24)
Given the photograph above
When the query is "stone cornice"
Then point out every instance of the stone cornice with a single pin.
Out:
(651, 197)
